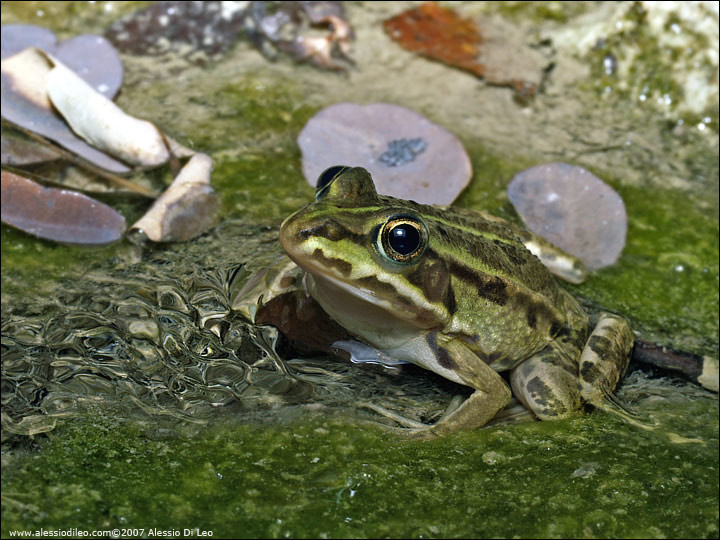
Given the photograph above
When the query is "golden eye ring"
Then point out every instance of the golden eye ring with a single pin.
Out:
(402, 239)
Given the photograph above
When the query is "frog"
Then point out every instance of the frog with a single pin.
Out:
(462, 293)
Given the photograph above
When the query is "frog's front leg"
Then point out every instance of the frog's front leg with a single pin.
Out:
(452, 359)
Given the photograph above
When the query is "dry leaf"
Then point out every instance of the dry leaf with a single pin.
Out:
(491, 49)
(573, 209)
(21, 151)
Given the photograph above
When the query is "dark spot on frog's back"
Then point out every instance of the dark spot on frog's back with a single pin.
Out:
(491, 288)
(556, 329)
(537, 313)
(494, 289)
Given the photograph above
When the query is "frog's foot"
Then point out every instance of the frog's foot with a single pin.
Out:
(392, 415)
(512, 413)
(470, 414)
(452, 359)
(603, 362)
(491, 394)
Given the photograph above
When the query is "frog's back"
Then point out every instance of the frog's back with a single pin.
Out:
(504, 302)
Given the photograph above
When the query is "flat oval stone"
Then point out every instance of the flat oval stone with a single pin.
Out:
(573, 209)
(408, 156)
(58, 214)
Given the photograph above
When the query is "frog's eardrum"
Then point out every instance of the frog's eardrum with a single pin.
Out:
(573, 209)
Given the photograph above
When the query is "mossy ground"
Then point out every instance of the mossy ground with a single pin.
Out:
(329, 477)
(324, 478)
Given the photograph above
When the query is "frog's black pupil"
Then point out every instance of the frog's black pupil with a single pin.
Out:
(327, 175)
(404, 238)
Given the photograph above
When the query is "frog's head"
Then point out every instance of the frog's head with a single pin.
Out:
(376, 248)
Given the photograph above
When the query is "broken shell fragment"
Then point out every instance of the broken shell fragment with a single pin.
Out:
(102, 123)
(24, 72)
(573, 209)
(186, 209)
(58, 214)
(408, 156)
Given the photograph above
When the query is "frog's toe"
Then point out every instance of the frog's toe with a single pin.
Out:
(610, 403)
(392, 415)
(412, 429)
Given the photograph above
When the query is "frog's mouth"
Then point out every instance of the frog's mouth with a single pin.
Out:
(349, 303)
(302, 246)
(331, 285)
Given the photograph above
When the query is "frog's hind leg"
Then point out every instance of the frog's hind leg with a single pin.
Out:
(547, 384)
(603, 363)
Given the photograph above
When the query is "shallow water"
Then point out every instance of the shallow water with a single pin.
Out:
(166, 410)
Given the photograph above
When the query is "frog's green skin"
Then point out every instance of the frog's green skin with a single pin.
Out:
(469, 302)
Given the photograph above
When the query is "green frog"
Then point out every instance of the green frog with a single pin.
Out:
(458, 292)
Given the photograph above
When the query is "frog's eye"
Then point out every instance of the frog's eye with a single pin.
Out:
(402, 238)
(326, 178)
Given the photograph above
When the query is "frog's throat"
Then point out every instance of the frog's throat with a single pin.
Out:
(355, 307)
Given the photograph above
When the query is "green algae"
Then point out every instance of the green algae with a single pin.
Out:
(328, 478)
(29, 263)
(666, 282)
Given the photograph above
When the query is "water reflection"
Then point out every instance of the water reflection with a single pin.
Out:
(158, 337)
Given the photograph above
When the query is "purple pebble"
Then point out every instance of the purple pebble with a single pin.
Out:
(573, 209)
(408, 156)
